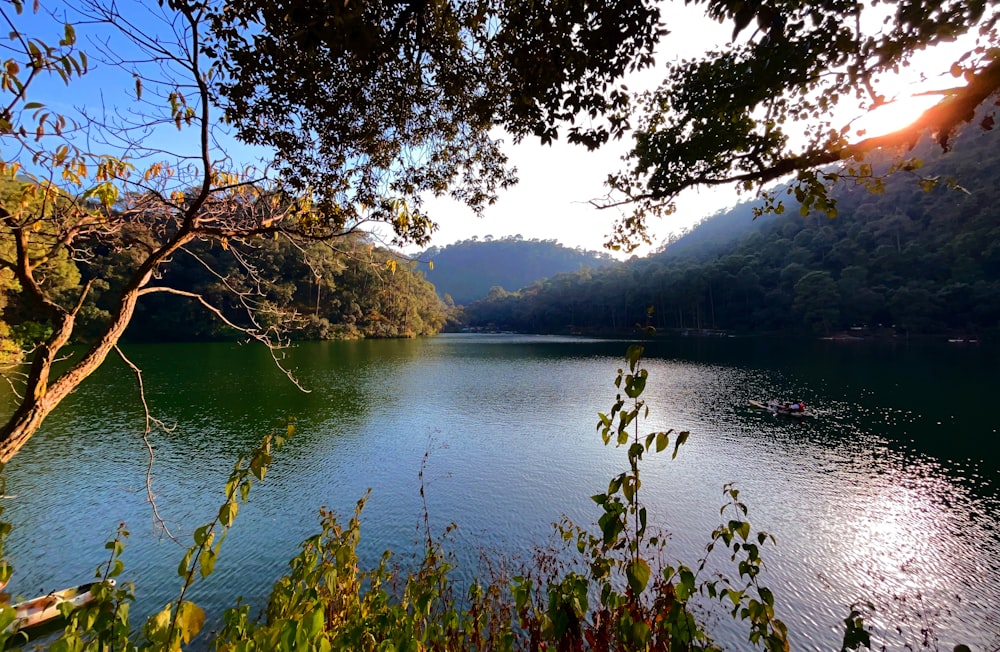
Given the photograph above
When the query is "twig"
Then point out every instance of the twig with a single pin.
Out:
(250, 332)
(149, 447)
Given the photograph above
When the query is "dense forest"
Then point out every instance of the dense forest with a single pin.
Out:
(920, 255)
(466, 271)
(350, 288)
(344, 290)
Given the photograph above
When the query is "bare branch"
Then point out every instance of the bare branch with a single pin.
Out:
(253, 333)
(150, 421)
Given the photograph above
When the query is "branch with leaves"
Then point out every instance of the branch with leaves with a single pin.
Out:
(767, 106)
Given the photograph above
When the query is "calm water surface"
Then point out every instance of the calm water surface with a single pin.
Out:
(892, 495)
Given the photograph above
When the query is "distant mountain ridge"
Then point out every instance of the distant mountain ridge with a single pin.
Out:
(467, 270)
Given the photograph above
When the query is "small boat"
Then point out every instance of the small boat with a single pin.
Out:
(45, 608)
(796, 409)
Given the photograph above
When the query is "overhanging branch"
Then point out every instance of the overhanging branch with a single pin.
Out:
(253, 333)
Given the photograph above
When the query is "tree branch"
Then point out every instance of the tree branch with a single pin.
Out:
(150, 420)
(250, 332)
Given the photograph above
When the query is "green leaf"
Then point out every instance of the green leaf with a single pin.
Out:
(629, 487)
(7, 616)
(685, 587)
(766, 596)
(207, 562)
(610, 526)
(637, 573)
(633, 354)
(33, 105)
(68, 643)
(116, 546)
(314, 623)
(662, 441)
(158, 624)
(258, 465)
(227, 512)
(203, 534)
(681, 438)
(65, 608)
(116, 568)
(182, 568)
(636, 384)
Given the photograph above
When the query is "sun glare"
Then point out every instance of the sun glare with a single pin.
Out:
(893, 116)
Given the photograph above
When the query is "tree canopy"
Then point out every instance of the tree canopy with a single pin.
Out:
(765, 106)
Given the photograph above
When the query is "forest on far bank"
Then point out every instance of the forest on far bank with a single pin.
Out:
(467, 270)
(921, 256)
(353, 288)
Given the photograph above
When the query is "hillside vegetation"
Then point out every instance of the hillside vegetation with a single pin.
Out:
(352, 290)
(920, 255)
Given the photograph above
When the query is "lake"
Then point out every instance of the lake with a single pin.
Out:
(891, 495)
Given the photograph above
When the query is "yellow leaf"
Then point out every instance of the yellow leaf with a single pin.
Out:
(190, 620)
(159, 622)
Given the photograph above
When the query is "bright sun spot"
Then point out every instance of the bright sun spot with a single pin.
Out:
(894, 115)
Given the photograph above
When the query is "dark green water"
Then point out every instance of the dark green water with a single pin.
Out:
(891, 495)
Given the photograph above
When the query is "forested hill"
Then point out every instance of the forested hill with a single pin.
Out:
(920, 261)
(467, 270)
(351, 289)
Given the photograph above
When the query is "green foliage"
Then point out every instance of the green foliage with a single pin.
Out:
(353, 290)
(104, 624)
(326, 602)
(653, 612)
(816, 299)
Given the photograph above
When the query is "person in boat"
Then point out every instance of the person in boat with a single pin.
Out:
(797, 406)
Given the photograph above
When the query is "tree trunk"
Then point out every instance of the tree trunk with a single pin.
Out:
(40, 396)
